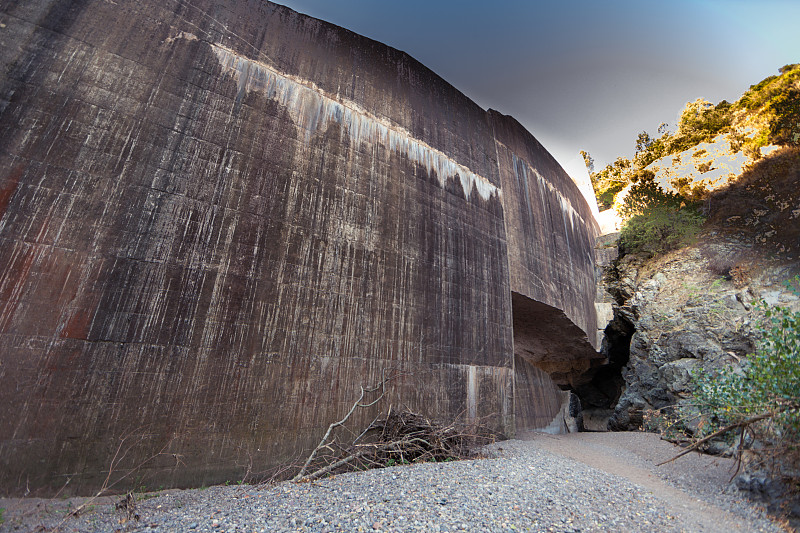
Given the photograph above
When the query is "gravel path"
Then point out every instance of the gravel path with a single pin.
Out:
(539, 484)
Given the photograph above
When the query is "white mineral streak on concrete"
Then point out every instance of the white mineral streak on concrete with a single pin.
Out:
(472, 392)
(543, 185)
(182, 35)
(313, 110)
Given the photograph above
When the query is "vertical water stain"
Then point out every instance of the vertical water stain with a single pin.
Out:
(219, 223)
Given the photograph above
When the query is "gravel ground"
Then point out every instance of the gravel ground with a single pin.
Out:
(522, 487)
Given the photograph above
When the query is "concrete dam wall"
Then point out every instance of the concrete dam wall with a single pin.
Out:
(218, 220)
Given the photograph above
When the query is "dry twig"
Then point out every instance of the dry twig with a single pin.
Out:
(742, 424)
(119, 455)
(324, 442)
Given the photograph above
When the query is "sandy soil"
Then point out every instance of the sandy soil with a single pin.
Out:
(695, 487)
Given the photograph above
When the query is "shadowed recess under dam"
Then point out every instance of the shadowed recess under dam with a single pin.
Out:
(218, 221)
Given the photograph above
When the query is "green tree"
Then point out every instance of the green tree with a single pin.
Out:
(659, 230)
(785, 125)
(588, 161)
(645, 195)
(643, 141)
(609, 181)
(656, 220)
(699, 122)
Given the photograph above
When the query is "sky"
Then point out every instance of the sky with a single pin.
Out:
(583, 74)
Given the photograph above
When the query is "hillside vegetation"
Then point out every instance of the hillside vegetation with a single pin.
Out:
(732, 163)
(767, 114)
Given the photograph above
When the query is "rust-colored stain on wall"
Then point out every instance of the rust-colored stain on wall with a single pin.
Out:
(219, 220)
(9, 188)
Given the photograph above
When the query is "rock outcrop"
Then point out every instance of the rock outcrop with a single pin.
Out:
(219, 220)
(694, 308)
(683, 315)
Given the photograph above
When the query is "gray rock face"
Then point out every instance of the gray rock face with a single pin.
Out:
(685, 318)
(219, 220)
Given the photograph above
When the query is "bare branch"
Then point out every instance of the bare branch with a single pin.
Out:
(322, 471)
(717, 433)
(119, 455)
(324, 442)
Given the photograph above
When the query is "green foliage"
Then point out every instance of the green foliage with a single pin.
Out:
(609, 181)
(643, 142)
(703, 119)
(656, 220)
(606, 195)
(660, 230)
(700, 121)
(755, 96)
(646, 195)
(785, 126)
(767, 382)
(762, 93)
(649, 149)
(588, 161)
(776, 101)
(772, 106)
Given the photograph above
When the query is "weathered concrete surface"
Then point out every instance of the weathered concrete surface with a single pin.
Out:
(218, 220)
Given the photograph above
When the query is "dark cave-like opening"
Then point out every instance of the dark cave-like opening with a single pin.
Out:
(552, 356)
(600, 395)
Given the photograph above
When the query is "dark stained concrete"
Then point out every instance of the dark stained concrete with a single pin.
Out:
(219, 220)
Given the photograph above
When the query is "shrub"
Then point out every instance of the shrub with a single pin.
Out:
(704, 167)
(659, 229)
(776, 101)
(764, 92)
(646, 194)
(763, 394)
(721, 265)
(785, 126)
(754, 97)
(771, 106)
(656, 220)
(767, 381)
(607, 193)
(752, 150)
(700, 121)
(609, 181)
(649, 149)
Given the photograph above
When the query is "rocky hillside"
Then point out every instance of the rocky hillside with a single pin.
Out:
(738, 166)
(692, 308)
(691, 303)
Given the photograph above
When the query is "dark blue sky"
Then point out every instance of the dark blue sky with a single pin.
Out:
(584, 74)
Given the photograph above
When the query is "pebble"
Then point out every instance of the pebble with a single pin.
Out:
(522, 488)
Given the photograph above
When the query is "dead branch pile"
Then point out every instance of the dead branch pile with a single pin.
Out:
(408, 437)
(402, 437)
